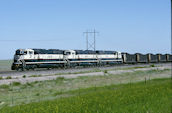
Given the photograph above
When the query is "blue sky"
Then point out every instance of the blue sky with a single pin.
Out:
(124, 25)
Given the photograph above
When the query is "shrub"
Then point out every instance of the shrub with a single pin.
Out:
(152, 65)
(57, 93)
(16, 83)
(1, 78)
(8, 77)
(29, 84)
(59, 79)
(105, 71)
(4, 86)
(35, 75)
(37, 94)
(36, 82)
(24, 76)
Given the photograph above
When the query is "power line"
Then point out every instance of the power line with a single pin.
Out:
(25, 40)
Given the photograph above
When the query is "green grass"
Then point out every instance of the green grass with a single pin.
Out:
(1, 78)
(60, 79)
(62, 87)
(8, 77)
(152, 97)
(16, 83)
(35, 76)
(4, 86)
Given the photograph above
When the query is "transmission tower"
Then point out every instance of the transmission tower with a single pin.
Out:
(91, 44)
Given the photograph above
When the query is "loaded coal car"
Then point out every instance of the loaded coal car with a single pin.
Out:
(162, 57)
(152, 58)
(141, 58)
(129, 58)
(169, 58)
(52, 58)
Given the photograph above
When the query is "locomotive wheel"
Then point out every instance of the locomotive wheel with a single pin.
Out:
(23, 69)
(20, 69)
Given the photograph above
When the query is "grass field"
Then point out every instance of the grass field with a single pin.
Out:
(16, 93)
(5, 65)
(154, 96)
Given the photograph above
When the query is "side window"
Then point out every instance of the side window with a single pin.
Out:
(30, 52)
(25, 52)
(67, 53)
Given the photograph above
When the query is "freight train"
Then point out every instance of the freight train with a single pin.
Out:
(55, 58)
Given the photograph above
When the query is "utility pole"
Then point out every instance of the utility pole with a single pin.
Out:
(90, 44)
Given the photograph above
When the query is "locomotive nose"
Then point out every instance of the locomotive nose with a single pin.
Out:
(16, 57)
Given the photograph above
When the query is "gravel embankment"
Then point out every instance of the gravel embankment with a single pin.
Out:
(72, 70)
(51, 74)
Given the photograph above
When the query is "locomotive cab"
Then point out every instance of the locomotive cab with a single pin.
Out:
(69, 54)
(24, 54)
(20, 56)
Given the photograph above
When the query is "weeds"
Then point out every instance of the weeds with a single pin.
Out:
(57, 93)
(4, 86)
(105, 71)
(1, 78)
(154, 97)
(59, 79)
(8, 77)
(29, 84)
(53, 89)
(16, 83)
(24, 76)
(37, 94)
(35, 75)
(152, 65)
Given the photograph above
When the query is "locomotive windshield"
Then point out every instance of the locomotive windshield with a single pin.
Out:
(21, 52)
